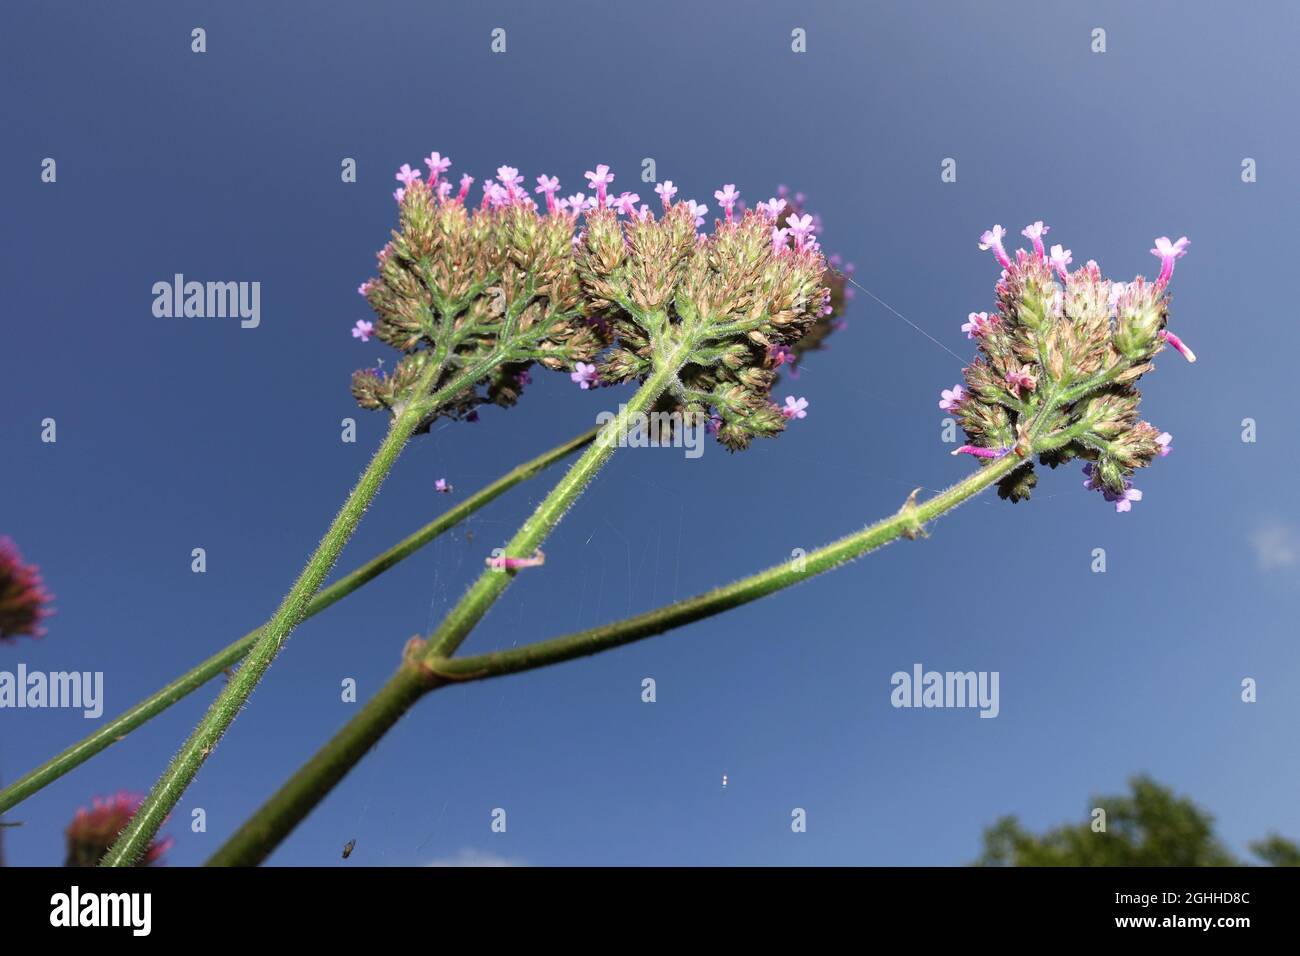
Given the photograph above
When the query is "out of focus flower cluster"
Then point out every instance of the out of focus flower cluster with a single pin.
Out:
(93, 831)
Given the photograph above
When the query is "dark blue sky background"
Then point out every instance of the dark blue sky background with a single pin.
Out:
(181, 434)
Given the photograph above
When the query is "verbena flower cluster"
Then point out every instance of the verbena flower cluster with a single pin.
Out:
(24, 601)
(92, 831)
(1058, 366)
(601, 285)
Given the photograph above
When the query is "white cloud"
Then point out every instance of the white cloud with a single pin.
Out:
(1276, 546)
(471, 857)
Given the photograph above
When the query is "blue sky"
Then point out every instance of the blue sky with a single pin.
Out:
(181, 434)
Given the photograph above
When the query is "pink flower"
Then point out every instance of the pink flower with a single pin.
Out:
(576, 204)
(992, 239)
(442, 486)
(399, 194)
(1178, 345)
(1124, 502)
(772, 208)
(364, 288)
(666, 191)
(1035, 232)
(950, 398)
(406, 175)
(93, 831)
(780, 354)
(801, 227)
(626, 203)
(1021, 381)
(1060, 259)
(438, 164)
(779, 244)
(977, 324)
(795, 407)
(548, 185)
(726, 197)
(1165, 441)
(583, 375)
(443, 190)
(598, 181)
(510, 179)
(363, 330)
(697, 210)
(513, 564)
(24, 602)
(1168, 253)
(465, 182)
(979, 452)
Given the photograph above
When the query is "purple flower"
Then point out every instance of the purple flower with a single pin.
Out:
(1035, 232)
(364, 288)
(1021, 380)
(363, 330)
(599, 180)
(977, 324)
(1165, 441)
(442, 486)
(780, 354)
(992, 239)
(697, 210)
(801, 227)
(24, 602)
(726, 197)
(950, 398)
(666, 191)
(979, 452)
(583, 375)
(1060, 259)
(772, 208)
(712, 425)
(514, 564)
(465, 182)
(795, 407)
(1178, 345)
(406, 175)
(779, 244)
(438, 164)
(399, 193)
(548, 185)
(1168, 253)
(1124, 502)
(626, 204)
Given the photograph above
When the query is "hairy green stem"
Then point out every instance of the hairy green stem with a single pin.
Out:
(426, 670)
(135, 838)
(117, 729)
(313, 781)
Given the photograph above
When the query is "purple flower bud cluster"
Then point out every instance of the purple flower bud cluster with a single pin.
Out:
(24, 602)
(1058, 364)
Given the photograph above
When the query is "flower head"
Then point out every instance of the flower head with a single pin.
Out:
(406, 175)
(976, 324)
(24, 602)
(92, 831)
(951, 398)
(697, 211)
(727, 197)
(1035, 232)
(584, 375)
(599, 181)
(1166, 443)
(795, 407)
(1061, 258)
(1168, 252)
(666, 191)
(992, 239)
(438, 164)
(363, 330)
